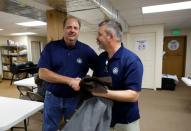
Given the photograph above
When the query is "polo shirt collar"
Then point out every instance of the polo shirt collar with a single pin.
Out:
(118, 54)
(70, 47)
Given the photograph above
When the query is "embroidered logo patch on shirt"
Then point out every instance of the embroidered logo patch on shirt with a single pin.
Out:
(115, 70)
(79, 60)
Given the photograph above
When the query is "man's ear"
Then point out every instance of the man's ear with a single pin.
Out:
(111, 36)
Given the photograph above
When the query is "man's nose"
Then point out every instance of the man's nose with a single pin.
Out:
(72, 29)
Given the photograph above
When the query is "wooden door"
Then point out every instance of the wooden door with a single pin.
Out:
(174, 57)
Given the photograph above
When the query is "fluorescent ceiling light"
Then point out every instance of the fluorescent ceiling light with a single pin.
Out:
(32, 23)
(167, 7)
(23, 33)
(1, 29)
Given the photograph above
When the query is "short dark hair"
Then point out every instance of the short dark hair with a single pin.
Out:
(113, 27)
(71, 17)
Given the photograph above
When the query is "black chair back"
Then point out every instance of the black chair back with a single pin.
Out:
(19, 67)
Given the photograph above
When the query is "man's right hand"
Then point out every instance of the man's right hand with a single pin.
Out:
(74, 83)
(53, 77)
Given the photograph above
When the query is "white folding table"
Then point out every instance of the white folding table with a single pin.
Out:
(26, 82)
(13, 111)
(186, 80)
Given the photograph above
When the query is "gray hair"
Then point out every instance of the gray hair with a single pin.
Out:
(71, 17)
(113, 27)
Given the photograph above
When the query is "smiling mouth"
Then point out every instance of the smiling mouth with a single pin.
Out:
(71, 35)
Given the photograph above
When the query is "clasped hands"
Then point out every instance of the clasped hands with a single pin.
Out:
(74, 83)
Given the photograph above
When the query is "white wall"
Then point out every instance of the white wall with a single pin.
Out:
(158, 30)
(188, 48)
(3, 40)
(89, 38)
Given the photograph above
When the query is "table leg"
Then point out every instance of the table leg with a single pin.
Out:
(25, 125)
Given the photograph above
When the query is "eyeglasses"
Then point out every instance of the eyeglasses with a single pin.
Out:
(106, 66)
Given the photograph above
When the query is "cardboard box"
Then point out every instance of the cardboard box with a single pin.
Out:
(22, 59)
(6, 59)
(7, 75)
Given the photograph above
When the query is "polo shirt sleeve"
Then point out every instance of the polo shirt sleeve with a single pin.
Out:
(45, 58)
(133, 76)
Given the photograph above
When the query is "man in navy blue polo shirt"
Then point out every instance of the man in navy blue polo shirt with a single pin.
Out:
(126, 71)
(61, 65)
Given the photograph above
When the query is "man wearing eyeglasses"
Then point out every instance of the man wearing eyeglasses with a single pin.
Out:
(126, 71)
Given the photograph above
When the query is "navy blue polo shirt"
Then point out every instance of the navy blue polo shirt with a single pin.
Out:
(72, 61)
(126, 71)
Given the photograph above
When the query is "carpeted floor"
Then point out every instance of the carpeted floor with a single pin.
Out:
(166, 110)
(160, 110)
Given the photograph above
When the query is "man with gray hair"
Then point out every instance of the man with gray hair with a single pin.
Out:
(126, 71)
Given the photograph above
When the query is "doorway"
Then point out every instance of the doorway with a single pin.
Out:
(174, 51)
(36, 51)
